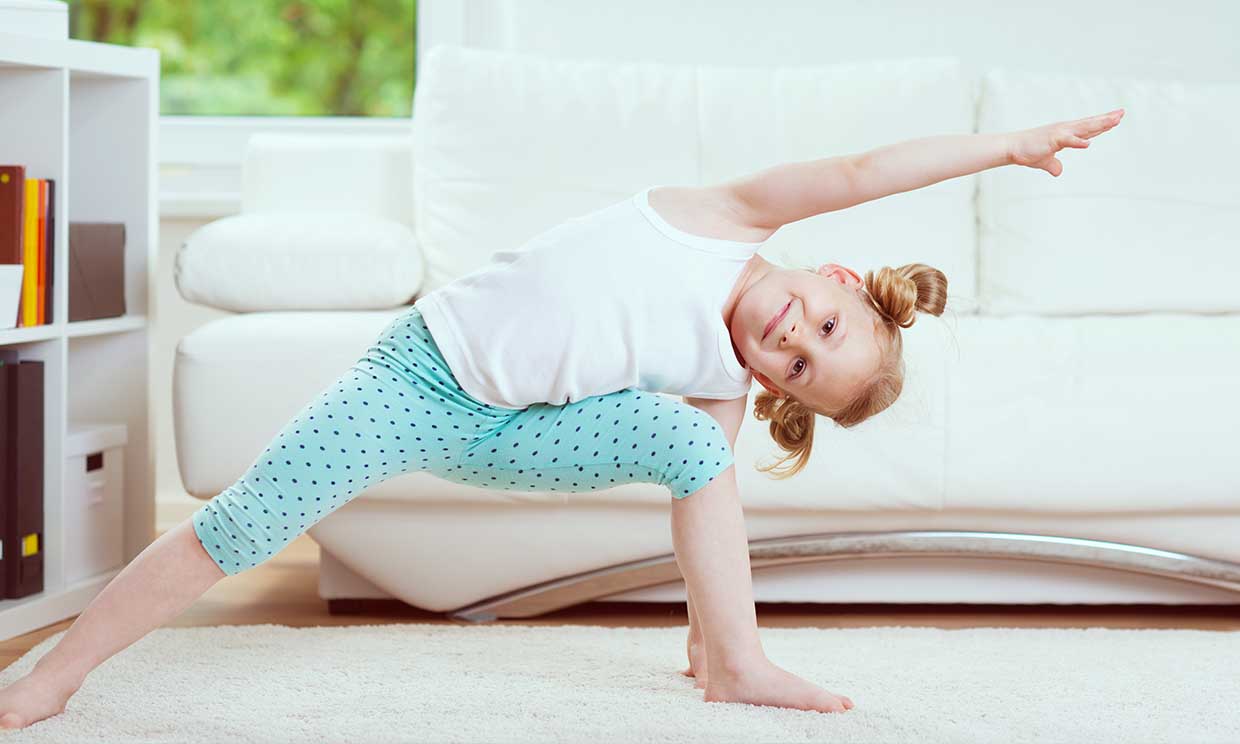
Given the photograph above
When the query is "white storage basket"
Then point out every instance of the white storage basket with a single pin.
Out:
(94, 506)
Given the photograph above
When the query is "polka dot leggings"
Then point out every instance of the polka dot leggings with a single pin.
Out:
(398, 409)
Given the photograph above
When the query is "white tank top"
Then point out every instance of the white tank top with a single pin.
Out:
(613, 299)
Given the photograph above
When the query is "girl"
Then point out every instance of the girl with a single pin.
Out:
(538, 372)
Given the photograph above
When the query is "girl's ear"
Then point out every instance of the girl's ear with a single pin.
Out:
(841, 274)
(766, 382)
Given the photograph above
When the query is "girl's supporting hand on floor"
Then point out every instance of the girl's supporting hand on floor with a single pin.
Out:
(1036, 147)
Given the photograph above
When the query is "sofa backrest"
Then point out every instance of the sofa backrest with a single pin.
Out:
(507, 145)
(1161, 187)
(1147, 219)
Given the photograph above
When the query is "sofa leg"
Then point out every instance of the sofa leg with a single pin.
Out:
(388, 606)
(344, 606)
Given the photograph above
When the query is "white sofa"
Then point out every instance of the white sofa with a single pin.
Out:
(1067, 429)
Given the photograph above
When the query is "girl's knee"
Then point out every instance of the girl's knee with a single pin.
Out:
(242, 526)
(696, 450)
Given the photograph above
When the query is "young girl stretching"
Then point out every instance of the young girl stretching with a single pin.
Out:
(538, 372)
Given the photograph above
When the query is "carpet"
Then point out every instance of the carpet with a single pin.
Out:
(516, 683)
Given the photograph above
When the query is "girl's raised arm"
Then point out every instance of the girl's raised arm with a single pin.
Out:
(775, 196)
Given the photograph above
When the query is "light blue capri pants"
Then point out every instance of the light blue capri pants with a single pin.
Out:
(399, 409)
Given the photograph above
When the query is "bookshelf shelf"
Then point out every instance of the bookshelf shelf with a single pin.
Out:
(13, 336)
(84, 114)
(106, 325)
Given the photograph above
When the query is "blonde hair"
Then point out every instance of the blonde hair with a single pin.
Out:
(895, 296)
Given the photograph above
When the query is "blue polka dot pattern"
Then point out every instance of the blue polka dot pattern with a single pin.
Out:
(398, 409)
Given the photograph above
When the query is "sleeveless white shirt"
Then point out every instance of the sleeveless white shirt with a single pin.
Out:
(613, 299)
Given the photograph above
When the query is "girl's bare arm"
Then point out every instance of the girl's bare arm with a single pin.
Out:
(712, 552)
(788, 192)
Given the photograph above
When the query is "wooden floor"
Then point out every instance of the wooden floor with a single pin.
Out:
(283, 590)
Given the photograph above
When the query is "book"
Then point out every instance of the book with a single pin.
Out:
(41, 258)
(28, 237)
(49, 261)
(36, 241)
(21, 479)
(30, 247)
(12, 215)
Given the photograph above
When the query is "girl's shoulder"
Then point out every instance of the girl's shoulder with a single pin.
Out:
(703, 211)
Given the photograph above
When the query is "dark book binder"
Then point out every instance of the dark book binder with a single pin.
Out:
(21, 485)
(4, 470)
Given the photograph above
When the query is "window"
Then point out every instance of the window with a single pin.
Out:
(267, 57)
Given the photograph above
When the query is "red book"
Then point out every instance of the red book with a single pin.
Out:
(12, 215)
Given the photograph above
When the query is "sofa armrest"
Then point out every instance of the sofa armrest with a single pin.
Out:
(300, 260)
(370, 174)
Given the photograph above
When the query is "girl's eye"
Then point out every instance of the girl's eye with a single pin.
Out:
(829, 327)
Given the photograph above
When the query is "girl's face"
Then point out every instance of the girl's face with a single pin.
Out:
(808, 335)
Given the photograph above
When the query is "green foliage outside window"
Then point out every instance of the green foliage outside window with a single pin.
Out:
(267, 57)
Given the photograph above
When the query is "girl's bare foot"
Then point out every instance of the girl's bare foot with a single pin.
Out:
(767, 684)
(32, 698)
(697, 663)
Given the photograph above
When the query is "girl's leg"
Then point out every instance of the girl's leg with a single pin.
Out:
(395, 411)
(179, 566)
(695, 644)
(154, 588)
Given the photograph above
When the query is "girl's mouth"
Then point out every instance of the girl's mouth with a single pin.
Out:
(770, 324)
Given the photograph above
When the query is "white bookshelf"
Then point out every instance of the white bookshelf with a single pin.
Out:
(85, 115)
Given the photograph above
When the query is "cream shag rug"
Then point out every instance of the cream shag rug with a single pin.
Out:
(516, 683)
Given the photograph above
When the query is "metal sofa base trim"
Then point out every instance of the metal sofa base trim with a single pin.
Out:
(583, 587)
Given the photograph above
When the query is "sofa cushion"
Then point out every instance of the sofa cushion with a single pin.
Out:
(1144, 219)
(233, 391)
(1094, 414)
(1068, 415)
(299, 260)
(508, 144)
(240, 378)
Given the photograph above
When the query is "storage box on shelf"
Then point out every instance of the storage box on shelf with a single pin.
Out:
(94, 510)
(84, 115)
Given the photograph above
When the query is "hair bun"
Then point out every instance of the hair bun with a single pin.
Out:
(898, 294)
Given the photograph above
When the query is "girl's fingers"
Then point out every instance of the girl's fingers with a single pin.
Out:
(1094, 125)
(1070, 139)
(1093, 130)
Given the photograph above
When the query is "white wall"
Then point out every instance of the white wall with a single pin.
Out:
(1183, 40)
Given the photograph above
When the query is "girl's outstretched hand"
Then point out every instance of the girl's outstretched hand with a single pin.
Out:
(1036, 147)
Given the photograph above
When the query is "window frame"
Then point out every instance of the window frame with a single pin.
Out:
(200, 156)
